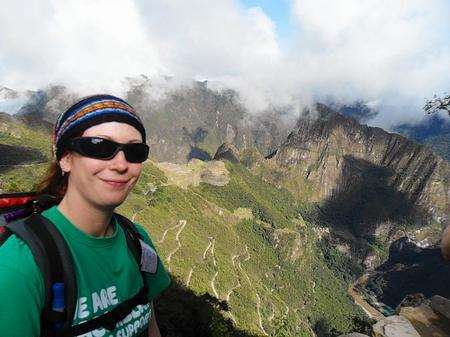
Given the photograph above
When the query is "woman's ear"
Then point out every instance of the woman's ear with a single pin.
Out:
(66, 162)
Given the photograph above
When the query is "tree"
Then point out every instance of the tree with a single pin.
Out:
(437, 103)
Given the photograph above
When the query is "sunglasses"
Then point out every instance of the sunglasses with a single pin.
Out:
(105, 149)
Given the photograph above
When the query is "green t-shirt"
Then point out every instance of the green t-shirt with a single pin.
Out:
(106, 273)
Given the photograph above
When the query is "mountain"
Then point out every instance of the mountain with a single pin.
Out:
(370, 186)
(11, 100)
(193, 121)
(24, 152)
(7, 93)
(433, 131)
(44, 106)
(358, 110)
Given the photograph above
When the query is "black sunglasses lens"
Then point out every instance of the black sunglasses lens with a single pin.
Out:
(96, 147)
(136, 153)
(101, 148)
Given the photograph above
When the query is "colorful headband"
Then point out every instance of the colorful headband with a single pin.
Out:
(91, 111)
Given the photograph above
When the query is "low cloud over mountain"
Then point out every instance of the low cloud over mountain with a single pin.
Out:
(392, 53)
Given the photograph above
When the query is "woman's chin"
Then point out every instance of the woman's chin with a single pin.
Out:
(113, 202)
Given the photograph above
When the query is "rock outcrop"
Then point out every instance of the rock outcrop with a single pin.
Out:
(394, 326)
(441, 306)
(228, 152)
(426, 321)
(425, 318)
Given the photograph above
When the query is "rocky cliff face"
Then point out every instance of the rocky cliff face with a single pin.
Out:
(383, 175)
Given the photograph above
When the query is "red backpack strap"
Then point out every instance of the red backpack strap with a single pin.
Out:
(15, 206)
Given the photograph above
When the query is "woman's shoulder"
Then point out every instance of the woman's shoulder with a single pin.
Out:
(22, 290)
(16, 259)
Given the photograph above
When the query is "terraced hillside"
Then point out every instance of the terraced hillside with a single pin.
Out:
(222, 231)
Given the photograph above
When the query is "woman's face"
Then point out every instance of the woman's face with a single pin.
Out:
(103, 184)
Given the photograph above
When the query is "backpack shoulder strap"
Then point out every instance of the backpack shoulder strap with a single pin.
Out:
(145, 255)
(132, 236)
(53, 257)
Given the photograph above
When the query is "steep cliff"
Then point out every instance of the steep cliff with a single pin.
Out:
(337, 153)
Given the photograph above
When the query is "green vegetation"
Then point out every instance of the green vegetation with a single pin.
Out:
(342, 265)
(269, 204)
(277, 256)
(20, 135)
(23, 177)
(290, 179)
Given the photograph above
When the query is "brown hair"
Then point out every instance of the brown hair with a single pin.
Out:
(54, 182)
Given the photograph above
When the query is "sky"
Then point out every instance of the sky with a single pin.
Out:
(392, 54)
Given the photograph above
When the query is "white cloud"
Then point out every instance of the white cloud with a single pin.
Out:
(85, 44)
(395, 53)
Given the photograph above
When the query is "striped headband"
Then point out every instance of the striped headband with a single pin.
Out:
(91, 111)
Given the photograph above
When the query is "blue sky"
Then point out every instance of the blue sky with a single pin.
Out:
(279, 12)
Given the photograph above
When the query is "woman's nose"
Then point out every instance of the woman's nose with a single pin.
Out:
(119, 161)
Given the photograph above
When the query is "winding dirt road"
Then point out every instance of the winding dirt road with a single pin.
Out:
(188, 279)
(182, 224)
(167, 230)
(213, 280)
(258, 310)
(191, 271)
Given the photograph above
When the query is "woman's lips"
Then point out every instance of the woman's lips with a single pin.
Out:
(116, 183)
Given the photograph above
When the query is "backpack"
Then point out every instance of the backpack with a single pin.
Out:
(19, 215)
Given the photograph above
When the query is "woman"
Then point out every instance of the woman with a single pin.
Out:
(99, 147)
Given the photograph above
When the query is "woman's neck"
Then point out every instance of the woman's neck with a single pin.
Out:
(87, 218)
